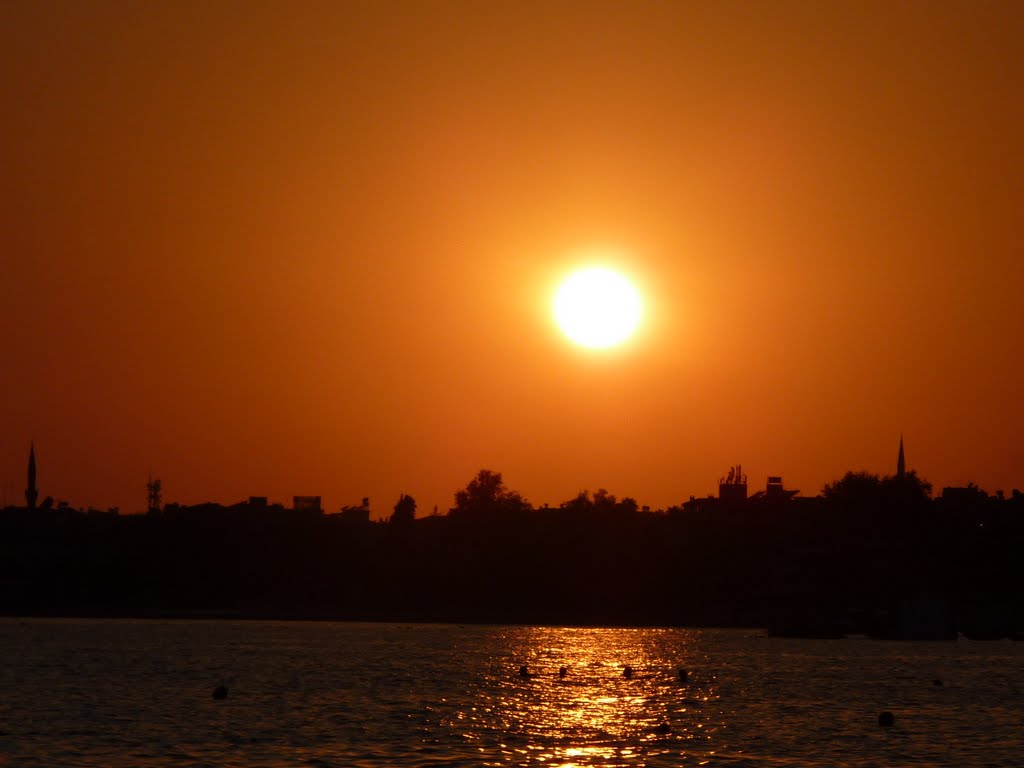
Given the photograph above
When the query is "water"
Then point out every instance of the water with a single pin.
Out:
(131, 693)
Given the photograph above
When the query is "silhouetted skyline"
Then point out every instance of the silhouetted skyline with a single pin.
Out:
(732, 487)
(873, 554)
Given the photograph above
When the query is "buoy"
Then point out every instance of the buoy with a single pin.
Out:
(936, 682)
(220, 692)
(562, 671)
(523, 671)
(887, 719)
(627, 672)
(662, 728)
(684, 676)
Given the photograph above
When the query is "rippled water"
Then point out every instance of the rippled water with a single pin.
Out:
(124, 693)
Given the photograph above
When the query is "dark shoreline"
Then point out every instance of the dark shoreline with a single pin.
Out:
(243, 616)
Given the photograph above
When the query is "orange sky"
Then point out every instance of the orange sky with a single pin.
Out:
(278, 249)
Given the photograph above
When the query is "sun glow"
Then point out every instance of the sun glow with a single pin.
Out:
(597, 307)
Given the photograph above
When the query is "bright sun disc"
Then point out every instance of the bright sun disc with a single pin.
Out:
(597, 307)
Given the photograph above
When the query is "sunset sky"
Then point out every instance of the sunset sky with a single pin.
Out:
(311, 248)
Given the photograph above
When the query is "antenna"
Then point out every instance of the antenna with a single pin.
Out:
(153, 495)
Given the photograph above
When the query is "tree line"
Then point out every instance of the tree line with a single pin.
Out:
(870, 554)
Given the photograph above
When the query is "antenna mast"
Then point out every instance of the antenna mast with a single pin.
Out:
(153, 495)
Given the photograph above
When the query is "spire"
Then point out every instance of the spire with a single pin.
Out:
(901, 464)
(31, 493)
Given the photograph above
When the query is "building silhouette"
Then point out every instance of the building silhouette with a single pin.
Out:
(901, 464)
(732, 489)
(774, 489)
(305, 504)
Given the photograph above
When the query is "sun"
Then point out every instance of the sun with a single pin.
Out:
(597, 307)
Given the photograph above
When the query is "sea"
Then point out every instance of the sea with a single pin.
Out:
(76, 692)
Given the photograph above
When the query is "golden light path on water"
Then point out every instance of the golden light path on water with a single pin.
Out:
(595, 714)
(118, 694)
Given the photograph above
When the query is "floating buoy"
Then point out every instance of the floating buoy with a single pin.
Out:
(562, 671)
(887, 719)
(523, 671)
(220, 692)
(684, 676)
(627, 672)
(662, 728)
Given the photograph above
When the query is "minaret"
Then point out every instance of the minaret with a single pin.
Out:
(901, 465)
(31, 493)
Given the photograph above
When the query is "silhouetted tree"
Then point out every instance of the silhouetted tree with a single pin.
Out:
(485, 496)
(599, 505)
(859, 490)
(854, 489)
(405, 511)
(580, 504)
(909, 489)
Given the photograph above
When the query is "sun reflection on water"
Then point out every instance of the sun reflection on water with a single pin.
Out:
(599, 712)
